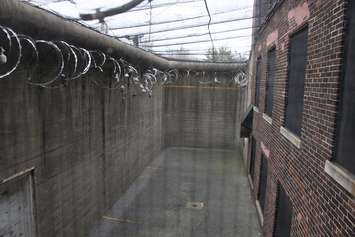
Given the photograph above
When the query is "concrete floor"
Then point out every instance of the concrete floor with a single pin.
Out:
(185, 193)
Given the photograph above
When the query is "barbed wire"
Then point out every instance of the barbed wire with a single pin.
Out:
(53, 64)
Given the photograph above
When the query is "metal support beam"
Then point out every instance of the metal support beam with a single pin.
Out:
(111, 12)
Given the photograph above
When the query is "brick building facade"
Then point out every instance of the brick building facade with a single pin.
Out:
(302, 85)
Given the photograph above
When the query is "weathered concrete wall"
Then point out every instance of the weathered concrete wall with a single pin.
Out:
(202, 115)
(86, 145)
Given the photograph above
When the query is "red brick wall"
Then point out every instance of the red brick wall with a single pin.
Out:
(321, 207)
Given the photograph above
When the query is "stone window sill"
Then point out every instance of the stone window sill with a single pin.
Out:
(343, 177)
(295, 140)
(251, 182)
(267, 118)
(260, 212)
(256, 109)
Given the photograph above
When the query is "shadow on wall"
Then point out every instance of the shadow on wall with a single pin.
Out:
(86, 145)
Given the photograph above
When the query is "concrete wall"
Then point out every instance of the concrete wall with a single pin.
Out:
(86, 145)
(202, 115)
(83, 145)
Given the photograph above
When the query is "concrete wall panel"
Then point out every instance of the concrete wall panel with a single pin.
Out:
(87, 144)
(198, 115)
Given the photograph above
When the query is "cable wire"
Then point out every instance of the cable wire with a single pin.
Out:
(193, 35)
(175, 20)
(189, 27)
(163, 5)
(200, 41)
(192, 54)
(209, 24)
(150, 20)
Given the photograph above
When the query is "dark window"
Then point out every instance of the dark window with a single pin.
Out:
(346, 116)
(257, 81)
(261, 7)
(262, 183)
(283, 214)
(252, 158)
(272, 3)
(271, 68)
(296, 75)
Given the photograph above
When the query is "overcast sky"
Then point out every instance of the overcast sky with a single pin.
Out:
(237, 8)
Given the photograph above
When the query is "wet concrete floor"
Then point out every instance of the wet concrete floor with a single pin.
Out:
(185, 192)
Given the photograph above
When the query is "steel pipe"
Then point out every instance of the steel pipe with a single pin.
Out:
(111, 12)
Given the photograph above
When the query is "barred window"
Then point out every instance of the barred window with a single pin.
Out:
(257, 81)
(262, 182)
(271, 68)
(252, 158)
(283, 214)
(296, 75)
(346, 116)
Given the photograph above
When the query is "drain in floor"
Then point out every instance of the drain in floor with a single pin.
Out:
(195, 205)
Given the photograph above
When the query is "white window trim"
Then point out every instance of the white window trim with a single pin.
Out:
(295, 140)
(343, 177)
(267, 118)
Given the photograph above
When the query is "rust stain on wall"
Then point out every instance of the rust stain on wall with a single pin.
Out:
(265, 150)
(272, 38)
(283, 46)
(299, 14)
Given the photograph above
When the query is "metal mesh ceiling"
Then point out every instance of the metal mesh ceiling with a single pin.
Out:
(171, 28)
